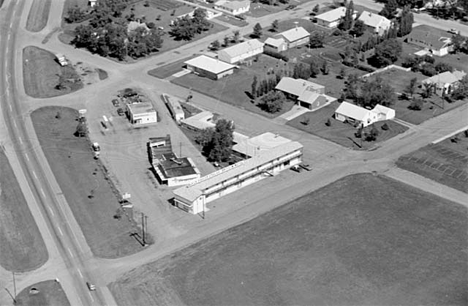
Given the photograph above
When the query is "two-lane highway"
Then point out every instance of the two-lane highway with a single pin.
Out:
(61, 225)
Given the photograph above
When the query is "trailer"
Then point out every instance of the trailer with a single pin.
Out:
(62, 60)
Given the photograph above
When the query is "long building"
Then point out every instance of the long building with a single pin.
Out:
(194, 197)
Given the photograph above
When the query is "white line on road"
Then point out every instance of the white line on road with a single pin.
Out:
(9, 34)
(79, 272)
(69, 251)
(91, 296)
(43, 193)
(51, 211)
(60, 230)
(27, 157)
(11, 108)
(14, 123)
(34, 173)
(21, 140)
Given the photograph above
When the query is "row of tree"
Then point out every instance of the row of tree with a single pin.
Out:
(187, 27)
(369, 93)
(217, 142)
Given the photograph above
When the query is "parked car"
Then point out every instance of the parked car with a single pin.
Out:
(90, 286)
(454, 31)
(305, 167)
(291, 7)
(115, 102)
(296, 168)
(120, 112)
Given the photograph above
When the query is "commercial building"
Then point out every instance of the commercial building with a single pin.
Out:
(233, 7)
(194, 197)
(375, 23)
(307, 94)
(170, 169)
(209, 67)
(241, 51)
(253, 146)
(142, 113)
(332, 18)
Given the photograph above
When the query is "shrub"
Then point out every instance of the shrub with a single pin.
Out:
(385, 127)
(328, 122)
(276, 55)
(416, 105)
(365, 67)
(337, 32)
(428, 70)
(428, 59)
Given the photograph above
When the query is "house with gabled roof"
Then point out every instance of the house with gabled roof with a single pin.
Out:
(445, 82)
(374, 22)
(362, 117)
(432, 42)
(209, 67)
(241, 51)
(332, 18)
(276, 44)
(233, 7)
(307, 94)
(294, 37)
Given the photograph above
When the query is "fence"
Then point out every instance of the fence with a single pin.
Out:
(385, 68)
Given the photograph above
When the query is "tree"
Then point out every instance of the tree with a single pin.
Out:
(410, 89)
(372, 135)
(81, 129)
(316, 39)
(235, 37)
(358, 29)
(253, 91)
(316, 9)
(273, 101)
(443, 67)
(314, 70)
(459, 43)
(74, 14)
(325, 68)
(257, 31)
(352, 86)
(389, 10)
(217, 142)
(376, 92)
(461, 92)
(387, 52)
(216, 45)
(347, 21)
(274, 25)
(342, 73)
(428, 69)
(406, 22)
(226, 41)
(428, 89)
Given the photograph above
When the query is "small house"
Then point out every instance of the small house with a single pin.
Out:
(241, 51)
(307, 94)
(209, 67)
(332, 18)
(233, 7)
(295, 37)
(276, 44)
(375, 23)
(359, 116)
(436, 44)
(445, 82)
(61, 59)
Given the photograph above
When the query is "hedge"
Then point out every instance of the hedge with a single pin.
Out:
(276, 55)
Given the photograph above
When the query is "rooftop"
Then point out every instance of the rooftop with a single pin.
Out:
(294, 34)
(209, 64)
(192, 191)
(445, 77)
(374, 20)
(297, 86)
(275, 42)
(234, 5)
(428, 36)
(242, 48)
(353, 111)
(141, 108)
(175, 167)
(200, 121)
(266, 141)
(332, 15)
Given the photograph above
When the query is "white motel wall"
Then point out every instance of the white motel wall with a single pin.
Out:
(194, 197)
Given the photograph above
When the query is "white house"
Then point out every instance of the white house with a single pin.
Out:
(445, 82)
(295, 37)
(142, 113)
(362, 117)
(240, 52)
(209, 67)
(92, 3)
(422, 36)
(233, 7)
(375, 22)
(332, 18)
(276, 44)
(194, 197)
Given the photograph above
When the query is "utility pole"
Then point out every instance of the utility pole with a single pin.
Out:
(143, 228)
(14, 300)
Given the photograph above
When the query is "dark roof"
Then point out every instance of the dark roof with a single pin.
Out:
(175, 167)
(159, 152)
(430, 38)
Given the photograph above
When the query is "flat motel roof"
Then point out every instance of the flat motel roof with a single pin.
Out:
(194, 190)
(141, 108)
(209, 64)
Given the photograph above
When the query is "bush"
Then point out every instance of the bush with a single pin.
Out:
(337, 32)
(428, 59)
(365, 67)
(416, 105)
(328, 122)
(385, 127)
(428, 70)
(276, 55)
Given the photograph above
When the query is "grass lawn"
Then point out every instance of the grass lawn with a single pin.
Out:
(41, 74)
(21, 245)
(38, 15)
(431, 108)
(339, 132)
(340, 245)
(234, 89)
(50, 294)
(86, 185)
(168, 70)
(398, 78)
(445, 162)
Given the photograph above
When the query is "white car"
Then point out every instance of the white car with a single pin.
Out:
(91, 287)
(454, 31)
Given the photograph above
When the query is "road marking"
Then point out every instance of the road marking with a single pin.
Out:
(27, 157)
(73, 232)
(43, 193)
(9, 34)
(51, 211)
(69, 251)
(91, 296)
(60, 230)
(14, 123)
(34, 173)
(79, 272)
(11, 109)
(21, 140)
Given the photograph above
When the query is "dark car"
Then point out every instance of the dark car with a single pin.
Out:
(291, 7)
(90, 286)
(115, 102)
(296, 168)
(120, 112)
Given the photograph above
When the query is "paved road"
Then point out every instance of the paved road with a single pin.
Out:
(330, 161)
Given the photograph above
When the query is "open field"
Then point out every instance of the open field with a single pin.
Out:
(339, 132)
(231, 20)
(445, 162)
(21, 245)
(340, 245)
(234, 89)
(398, 78)
(50, 294)
(41, 74)
(168, 70)
(432, 107)
(38, 15)
(85, 183)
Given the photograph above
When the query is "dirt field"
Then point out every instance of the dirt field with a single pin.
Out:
(88, 191)
(38, 15)
(50, 294)
(41, 74)
(445, 162)
(341, 245)
(21, 245)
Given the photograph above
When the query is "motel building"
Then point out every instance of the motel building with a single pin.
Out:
(194, 197)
